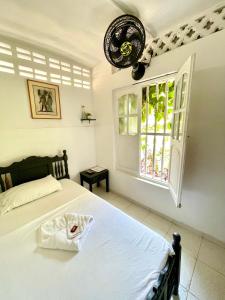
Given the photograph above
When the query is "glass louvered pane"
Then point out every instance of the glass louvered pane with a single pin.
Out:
(181, 123)
(169, 117)
(178, 95)
(149, 155)
(132, 103)
(183, 89)
(122, 126)
(152, 109)
(122, 105)
(175, 126)
(133, 125)
(160, 108)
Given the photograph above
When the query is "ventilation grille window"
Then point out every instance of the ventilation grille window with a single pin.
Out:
(32, 64)
(5, 49)
(6, 67)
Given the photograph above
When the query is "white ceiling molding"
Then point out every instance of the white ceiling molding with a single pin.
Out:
(208, 22)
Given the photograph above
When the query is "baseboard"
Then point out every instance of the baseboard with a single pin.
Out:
(175, 222)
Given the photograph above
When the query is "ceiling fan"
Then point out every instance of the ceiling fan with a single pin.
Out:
(124, 42)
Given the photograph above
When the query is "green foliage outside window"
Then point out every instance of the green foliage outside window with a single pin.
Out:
(156, 118)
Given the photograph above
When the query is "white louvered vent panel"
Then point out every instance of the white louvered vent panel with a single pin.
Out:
(26, 71)
(5, 49)
(54, 80)
(40, 72)
(26, 60)
(6, 67)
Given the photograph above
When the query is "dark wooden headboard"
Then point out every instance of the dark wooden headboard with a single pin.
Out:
(33, 167)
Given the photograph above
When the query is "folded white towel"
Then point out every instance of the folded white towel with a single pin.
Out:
(65, 232)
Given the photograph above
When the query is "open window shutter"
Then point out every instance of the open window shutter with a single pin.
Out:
(179, 131)
(126, 109)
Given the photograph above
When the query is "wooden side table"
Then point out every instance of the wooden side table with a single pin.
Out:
(95, 177)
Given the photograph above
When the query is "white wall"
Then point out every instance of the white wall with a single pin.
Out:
(203, 200)
(22, 136)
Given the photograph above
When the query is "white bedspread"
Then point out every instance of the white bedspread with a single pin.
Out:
(120, 259)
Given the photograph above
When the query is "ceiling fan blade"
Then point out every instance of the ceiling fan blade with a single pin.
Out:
(134, 35)
(124, 62)
(123, 33)
(115, 42)
(136, 44)
(113, 49)
(116, 54)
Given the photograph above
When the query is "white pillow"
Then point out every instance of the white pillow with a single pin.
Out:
(27, 192)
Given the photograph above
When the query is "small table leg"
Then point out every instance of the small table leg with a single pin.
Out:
(98, 183)
(90, 187)
(81, 181)
(107, 183)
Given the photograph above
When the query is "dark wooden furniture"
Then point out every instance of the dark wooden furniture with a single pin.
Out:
(95, 177)
(169, 278)
(35, 167)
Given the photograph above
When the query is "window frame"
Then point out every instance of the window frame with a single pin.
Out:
(147, 84)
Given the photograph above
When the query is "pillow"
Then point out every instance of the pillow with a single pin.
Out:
(27, 192)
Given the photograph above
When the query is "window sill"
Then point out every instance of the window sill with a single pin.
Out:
(143, 179)
(152, 182)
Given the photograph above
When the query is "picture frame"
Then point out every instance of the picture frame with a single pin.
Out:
(44, 100)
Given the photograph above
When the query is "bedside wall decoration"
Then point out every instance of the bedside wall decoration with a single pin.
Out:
(44, 100)
(86, 116)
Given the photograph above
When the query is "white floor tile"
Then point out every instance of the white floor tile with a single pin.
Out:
(207, 284)
(137, 212)
(189, 240)
(157, 223)
(106, 196)
(121, 203)
(187, 268)
(213, 255)
(191, 297)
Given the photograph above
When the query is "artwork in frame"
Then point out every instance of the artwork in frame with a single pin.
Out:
(44, 100)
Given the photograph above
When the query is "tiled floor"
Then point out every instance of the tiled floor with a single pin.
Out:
(203, 262)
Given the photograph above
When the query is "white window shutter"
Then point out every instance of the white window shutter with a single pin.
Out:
(126, 141)
(179, 132)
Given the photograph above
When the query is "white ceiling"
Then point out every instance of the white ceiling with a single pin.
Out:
(76, 27)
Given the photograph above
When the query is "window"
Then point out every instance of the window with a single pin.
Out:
(128, 114)
(151, 121)
(156, 126)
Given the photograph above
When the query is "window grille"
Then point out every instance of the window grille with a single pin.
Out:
(156, 126)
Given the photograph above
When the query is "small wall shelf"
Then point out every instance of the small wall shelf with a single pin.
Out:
(82, 120)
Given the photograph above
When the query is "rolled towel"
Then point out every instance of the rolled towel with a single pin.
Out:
(65, 232)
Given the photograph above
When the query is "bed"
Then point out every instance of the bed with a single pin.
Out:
(120, 259)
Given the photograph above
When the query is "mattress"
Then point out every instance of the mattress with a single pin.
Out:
(120, 258)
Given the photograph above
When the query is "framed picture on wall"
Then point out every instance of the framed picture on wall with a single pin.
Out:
(44, 100)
